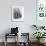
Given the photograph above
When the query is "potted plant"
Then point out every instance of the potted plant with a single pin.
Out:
(39, 35)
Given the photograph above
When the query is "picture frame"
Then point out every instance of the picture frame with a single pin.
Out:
(18, 13)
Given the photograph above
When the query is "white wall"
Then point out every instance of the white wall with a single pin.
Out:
(29, 15)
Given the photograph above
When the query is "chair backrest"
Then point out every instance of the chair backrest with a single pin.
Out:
(14, 30)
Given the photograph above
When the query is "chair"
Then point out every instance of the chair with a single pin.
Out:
(14, 32)
(25, 43)
(7, 35)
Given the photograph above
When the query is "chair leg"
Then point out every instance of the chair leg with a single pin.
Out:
(5, 40)
(17, 39)
(5, 43)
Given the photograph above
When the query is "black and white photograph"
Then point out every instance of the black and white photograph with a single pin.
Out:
(18, 13)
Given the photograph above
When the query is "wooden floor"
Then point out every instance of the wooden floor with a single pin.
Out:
(13, 44)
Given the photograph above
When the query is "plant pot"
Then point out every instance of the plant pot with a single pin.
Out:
(40, 41)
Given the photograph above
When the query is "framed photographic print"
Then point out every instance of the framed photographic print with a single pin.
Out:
(18, 13)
